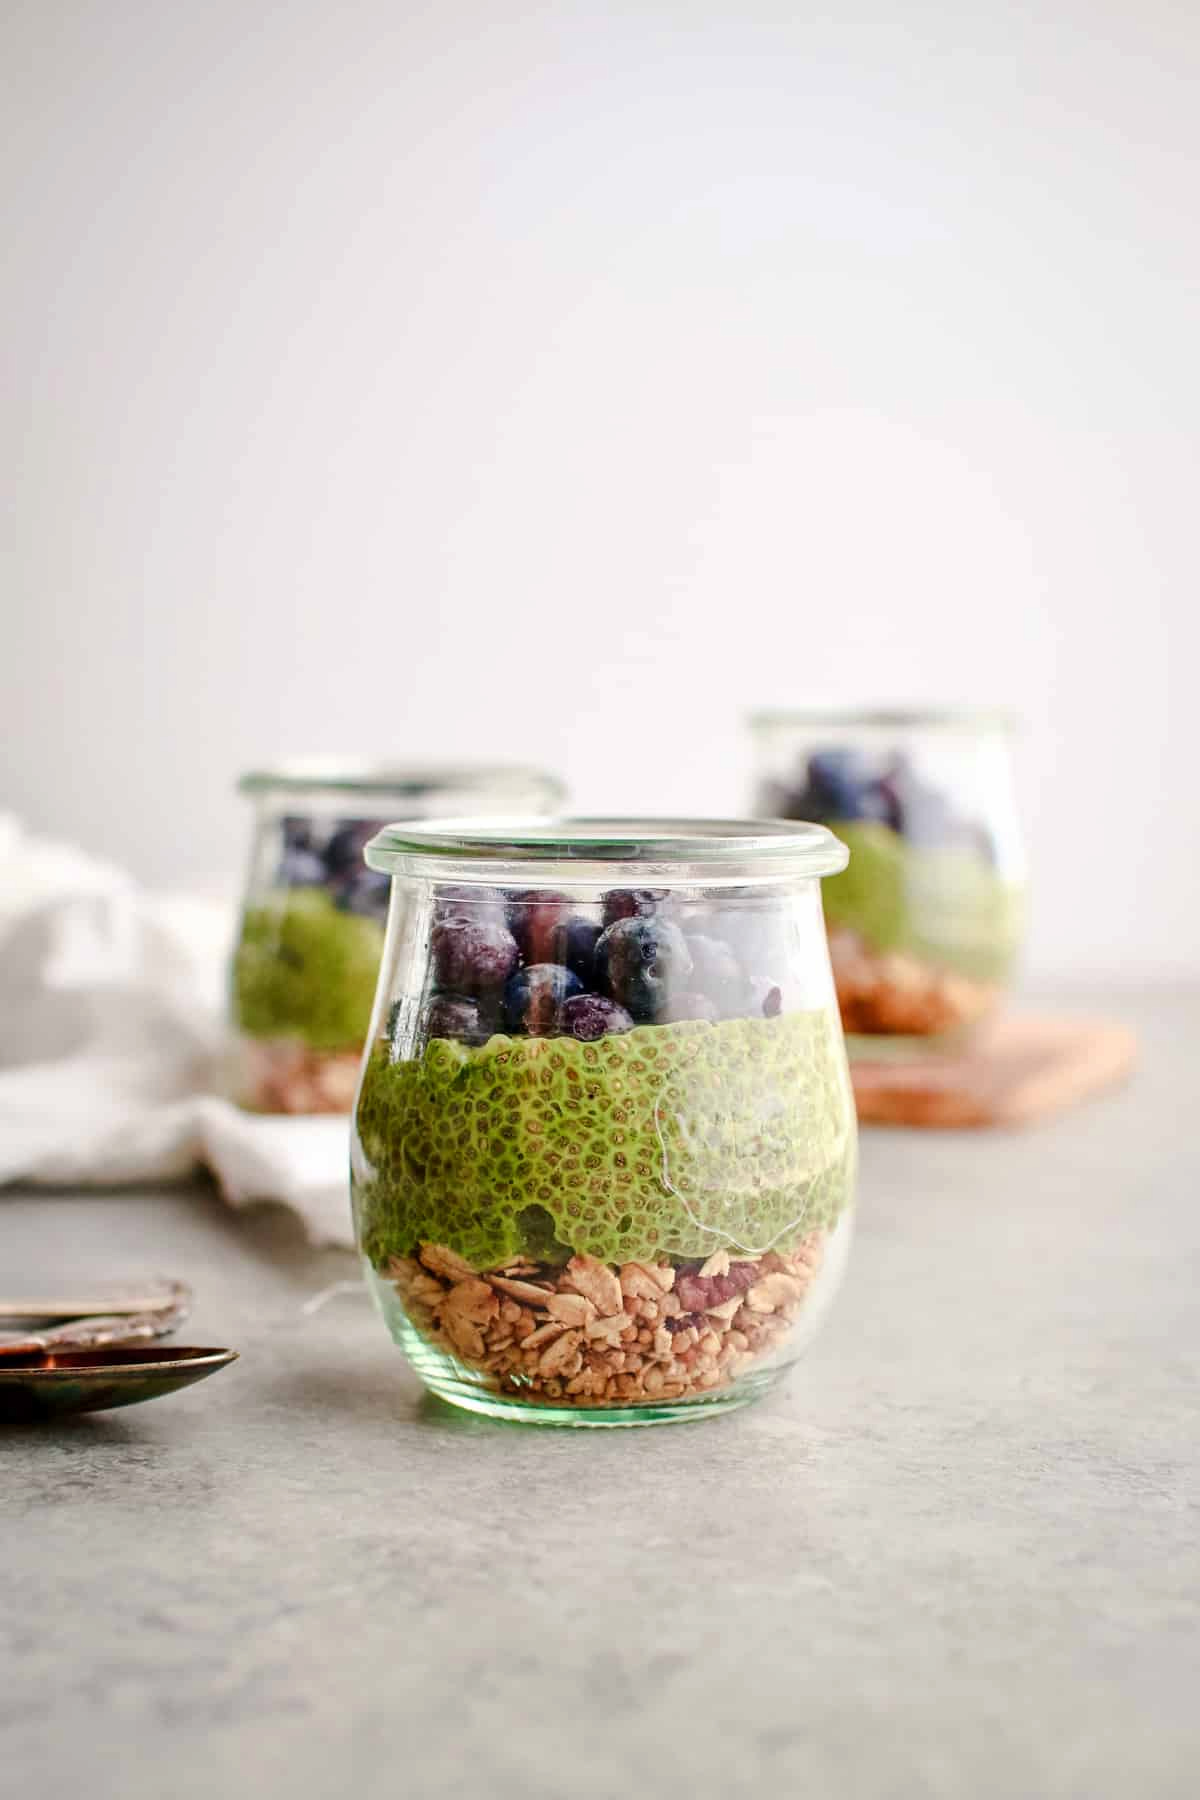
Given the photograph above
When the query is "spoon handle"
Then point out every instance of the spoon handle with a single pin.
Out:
(80, 1306)
(111, 1320)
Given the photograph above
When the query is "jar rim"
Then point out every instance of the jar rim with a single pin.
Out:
(408, 781)
(444, 849)
(889, 717)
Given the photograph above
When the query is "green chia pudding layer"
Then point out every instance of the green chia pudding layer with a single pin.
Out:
(304, 977)
(305, 969)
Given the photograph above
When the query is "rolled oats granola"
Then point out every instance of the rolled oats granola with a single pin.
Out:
(652, 1332)
(286, 1076)
(898, 994)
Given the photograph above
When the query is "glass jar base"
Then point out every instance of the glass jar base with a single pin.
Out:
(468, 1396)
(649, 1364)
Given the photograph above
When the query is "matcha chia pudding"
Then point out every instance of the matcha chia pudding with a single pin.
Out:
(305, 965)
(925, 923)
(604, 1146)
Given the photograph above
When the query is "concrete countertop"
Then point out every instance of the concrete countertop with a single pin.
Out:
(956, 1556)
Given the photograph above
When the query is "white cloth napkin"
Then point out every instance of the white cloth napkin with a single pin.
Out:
(112, 1041)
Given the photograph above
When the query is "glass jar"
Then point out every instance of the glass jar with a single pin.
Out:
(303, 973)
(925, 923)
(604, 1146)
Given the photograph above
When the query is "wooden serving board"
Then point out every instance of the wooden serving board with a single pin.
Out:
(1016, 1071)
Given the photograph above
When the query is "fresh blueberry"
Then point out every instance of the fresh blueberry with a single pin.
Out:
(841, 776)
(592, 1016)
(344, 851)
(764, 997)
(472, 956)
(367, 892)
(640, 961)
(717, 974)
(577, 949)
(537, 920)
(534, 998)
(300, 868)
(842, 784)
(632, 903)
(297, 833)
(453, 1016)
(890, 806)
(548, 931)
(688, 1006)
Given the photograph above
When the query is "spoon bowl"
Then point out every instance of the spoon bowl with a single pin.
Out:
(46, 1384)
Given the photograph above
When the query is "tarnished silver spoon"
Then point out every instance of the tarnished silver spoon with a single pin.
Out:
(46, 1385)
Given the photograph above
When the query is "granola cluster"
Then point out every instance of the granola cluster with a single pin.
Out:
(600, 1334)
(894, 993)
(283, 1075)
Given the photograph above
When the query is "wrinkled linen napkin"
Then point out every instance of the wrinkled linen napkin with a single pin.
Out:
(113, 1039)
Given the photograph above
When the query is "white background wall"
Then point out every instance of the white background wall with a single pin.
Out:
(559, 381)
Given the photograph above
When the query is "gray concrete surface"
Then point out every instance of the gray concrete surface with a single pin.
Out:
(956, 1556)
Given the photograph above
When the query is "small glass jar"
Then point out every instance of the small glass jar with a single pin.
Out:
(925, 923)
(604, 1149)
(303, 973)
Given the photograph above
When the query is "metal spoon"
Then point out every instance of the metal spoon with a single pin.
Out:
(42, 1385)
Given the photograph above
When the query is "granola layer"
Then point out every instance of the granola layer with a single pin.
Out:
(596, 1334)
(898, 994)
(285, 1076)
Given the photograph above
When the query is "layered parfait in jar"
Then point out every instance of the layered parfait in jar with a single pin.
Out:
(925, 923)
(312, 925)
(604, 1144)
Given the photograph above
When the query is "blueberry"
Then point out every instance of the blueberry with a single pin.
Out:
(688, 1006)
(840, 777)
(718, 974)
(577, 949)
(344, 851)
(534, 998)
(842, 784)
(640, 961)
(453, 1016)
(764, 997)
(548, 931)
(472, 956)
(632, 903)
(537, 920)
(592, 1016)
(367, 893)
(300, 868)
(890, 805)
(297, 833)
